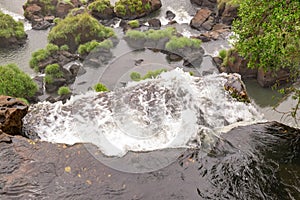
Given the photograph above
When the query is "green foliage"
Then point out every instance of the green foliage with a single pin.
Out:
(134, 34)
(132, 7)
(48, 8)
(159, 34)
(54, 71)
(79, 29)
(48, 79)
(99, 87)
(135, 76)
(14, 82)
(10, 28)
(268, 34)
(100, 5)
(223, 53)
(151, 34)
(134, 23)
(41, 55)
(64, 47)
(182, 42)
(90, 46)
(63, 91)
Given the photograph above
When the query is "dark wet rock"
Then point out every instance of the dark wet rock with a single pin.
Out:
(228, 13)
(170, 15)
(268, 78)
(154, 23)
(262, 158)
(237, 64)
(55, 85)
(201, 16)
(173, 57)
(32, 12)
(12, 112)
(237, 88)
(42, 25)
(77, 70)
(63, 8)
(39, 80)
(106, 14)
(12, 42)
(210, 4)
(138, 62)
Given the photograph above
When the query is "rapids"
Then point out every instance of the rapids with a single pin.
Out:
(175, 110)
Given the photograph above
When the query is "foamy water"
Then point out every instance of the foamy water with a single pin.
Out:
(174, 111)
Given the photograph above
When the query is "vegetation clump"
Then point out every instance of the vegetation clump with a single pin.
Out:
(100, 6)
(63, 91)
(76, 30)
(11, 28)
(134, 23)
(129, 8)
(52, 71)
(151, 34)
(88, 47)
(42, 55)
(14, 82)
(135, 76)
(182, 42)
(268, 37)
(99, 87)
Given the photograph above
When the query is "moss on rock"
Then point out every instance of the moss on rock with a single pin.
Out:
(76, 30)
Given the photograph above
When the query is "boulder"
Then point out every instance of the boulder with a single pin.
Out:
(62, 9)
(210, 4)
(12, 112)
(268, 78)
(170, 15)
(236, 88)
(201, 16)
(154, 23)
(229, 14)
(42, 25)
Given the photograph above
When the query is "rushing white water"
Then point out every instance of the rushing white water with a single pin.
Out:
(175, 110)
(17, 17)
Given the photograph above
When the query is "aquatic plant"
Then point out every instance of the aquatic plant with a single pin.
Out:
(63, 91)
(99, 87)
(134, 23)
(222, 53)
(14, 82)
(182, 42)
(11, 28)
(151, 34)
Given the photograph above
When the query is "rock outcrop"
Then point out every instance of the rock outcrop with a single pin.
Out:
(41, 170)
(12, 111)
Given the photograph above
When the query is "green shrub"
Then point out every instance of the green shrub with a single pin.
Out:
(223, 53)
(41, 55)
(79, 29)
(99, 87)
(90, 46)
(48, 79)
(132, 7)
(135, 76)
(100, 5)
(11, 28)
(63, 91)
(182, 42)
(134, 34)
(54, 70)
(14, 82)
(52, 48)
(24, 100)
(64, 47)
(134, 23)
(159, 34)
